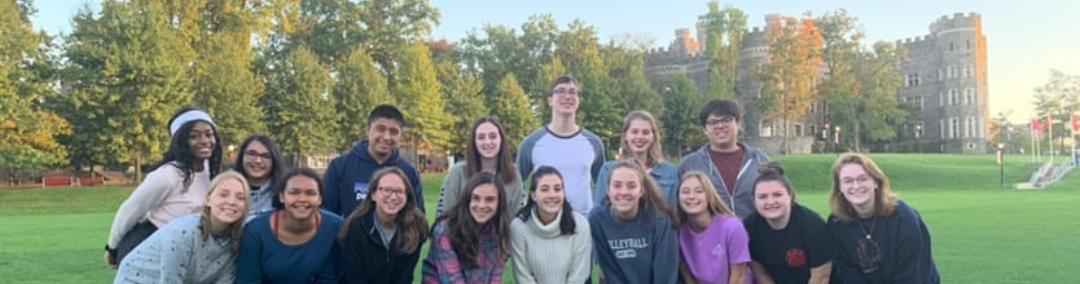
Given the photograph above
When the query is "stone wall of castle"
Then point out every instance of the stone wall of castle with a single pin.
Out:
(944, 77)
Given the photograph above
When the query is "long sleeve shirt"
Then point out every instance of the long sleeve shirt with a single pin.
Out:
(542, 254)
(636, 251)
(265, 259)
(160, 198)
(442, 264)
(177, 253)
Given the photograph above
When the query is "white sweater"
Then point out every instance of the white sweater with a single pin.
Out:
(160, 198)
(542, 255)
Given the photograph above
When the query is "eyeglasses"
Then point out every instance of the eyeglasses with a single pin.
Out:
(714, 122)
(563, 92)
(252, 154)
(392, 191)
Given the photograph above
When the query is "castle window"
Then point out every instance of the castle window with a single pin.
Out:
(969, 96)
(941, 75)
(941, 127)
(920, 129)
(954, 128)
(941, 100)
(967, 71)
(969, 127)
(766, 128)
(798, 130)
(952, 71)
(954, 97)
(917, 102)
(952, 46)
(969, 44)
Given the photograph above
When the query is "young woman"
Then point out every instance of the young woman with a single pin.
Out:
(788, 242)
(879, 239)
(177, 187)
(551, 243)
(487, 151)
(260, 162)
(295, 244)
(380, 241)
(470, 242)
(641, 142)
(714, 245)
(196, 248)
(633, 234)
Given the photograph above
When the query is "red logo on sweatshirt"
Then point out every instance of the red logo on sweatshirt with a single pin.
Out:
(796, 258)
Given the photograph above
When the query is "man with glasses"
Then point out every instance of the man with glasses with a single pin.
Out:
(348, 176)
(576, 152)
(731, 166)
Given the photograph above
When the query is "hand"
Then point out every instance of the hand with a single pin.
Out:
(110, 259)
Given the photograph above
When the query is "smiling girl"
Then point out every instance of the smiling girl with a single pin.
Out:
(713, 242)
(196, 248)
(551, 242)
(487, 151)
(380, 241)
(879, 239)
(295, 244)
(633, 233)
(177, 187)
(260, 162)
(788, 242)
(641, 142)
(470, 242)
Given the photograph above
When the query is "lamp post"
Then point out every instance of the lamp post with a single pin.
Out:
(836, 138)
(1001, 162)
(918, 138)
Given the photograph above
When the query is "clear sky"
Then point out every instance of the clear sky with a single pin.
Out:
(1025, 38)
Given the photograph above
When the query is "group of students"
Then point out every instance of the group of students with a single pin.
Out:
(726, 214)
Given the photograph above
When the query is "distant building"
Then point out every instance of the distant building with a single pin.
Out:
(944, 78)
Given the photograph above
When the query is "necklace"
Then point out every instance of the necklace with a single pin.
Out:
(862, 225)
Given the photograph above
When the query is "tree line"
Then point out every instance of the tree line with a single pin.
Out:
(307, 72)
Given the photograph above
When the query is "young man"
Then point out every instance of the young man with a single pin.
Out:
(576, 152)
(732, 166)
(348, 176)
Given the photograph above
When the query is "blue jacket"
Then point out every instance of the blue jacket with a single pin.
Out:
(348, 176)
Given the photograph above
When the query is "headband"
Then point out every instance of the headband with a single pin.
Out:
(189, 116)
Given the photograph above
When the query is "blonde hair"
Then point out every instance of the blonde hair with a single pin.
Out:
(236, 229)
(654, 154)
(715, 205)
(884, 199)
(651, 201)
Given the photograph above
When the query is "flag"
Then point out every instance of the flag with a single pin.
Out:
(1037, 125)
(1075, 123)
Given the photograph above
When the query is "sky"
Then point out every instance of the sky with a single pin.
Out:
(1025, 38)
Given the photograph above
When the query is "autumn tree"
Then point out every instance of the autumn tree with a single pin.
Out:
(724, 31)
(790, 76)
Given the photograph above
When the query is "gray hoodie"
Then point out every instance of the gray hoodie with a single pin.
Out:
(743, 201)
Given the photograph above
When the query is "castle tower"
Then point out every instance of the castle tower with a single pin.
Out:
(945, 79)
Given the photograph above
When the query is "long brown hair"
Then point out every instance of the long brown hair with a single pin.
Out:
(410, 219)
(504, 163)
(566, 222)
(651, 201)
(236, 229)
(653, 154)
(465, 233)
(884, 199)
(715, 205)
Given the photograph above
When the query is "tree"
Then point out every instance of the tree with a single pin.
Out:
(420, 95)
(876, 107)
(725, 29)
(27, 131)
(465, 102)
(511, 108)
(299, 106)
(390, 26)
(600, 111)
(228, 88)
(1058, 98)
(360, 87)
(128, 71)
(790, 75)
(627, 73)
(840, 86)
(682, 103)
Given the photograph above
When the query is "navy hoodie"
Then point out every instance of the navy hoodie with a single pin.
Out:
(348, 177)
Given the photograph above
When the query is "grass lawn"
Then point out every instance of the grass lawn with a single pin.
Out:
(981, 233)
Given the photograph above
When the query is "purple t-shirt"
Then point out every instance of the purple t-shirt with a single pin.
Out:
(708, 254)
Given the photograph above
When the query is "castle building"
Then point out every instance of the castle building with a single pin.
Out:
(944, 79)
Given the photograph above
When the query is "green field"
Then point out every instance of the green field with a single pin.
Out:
(981, 233)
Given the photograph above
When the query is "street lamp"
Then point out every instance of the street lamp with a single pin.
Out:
(836, 138)
(1001, 162)
(918, 138)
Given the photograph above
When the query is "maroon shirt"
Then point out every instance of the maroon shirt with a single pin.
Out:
(728, 165)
